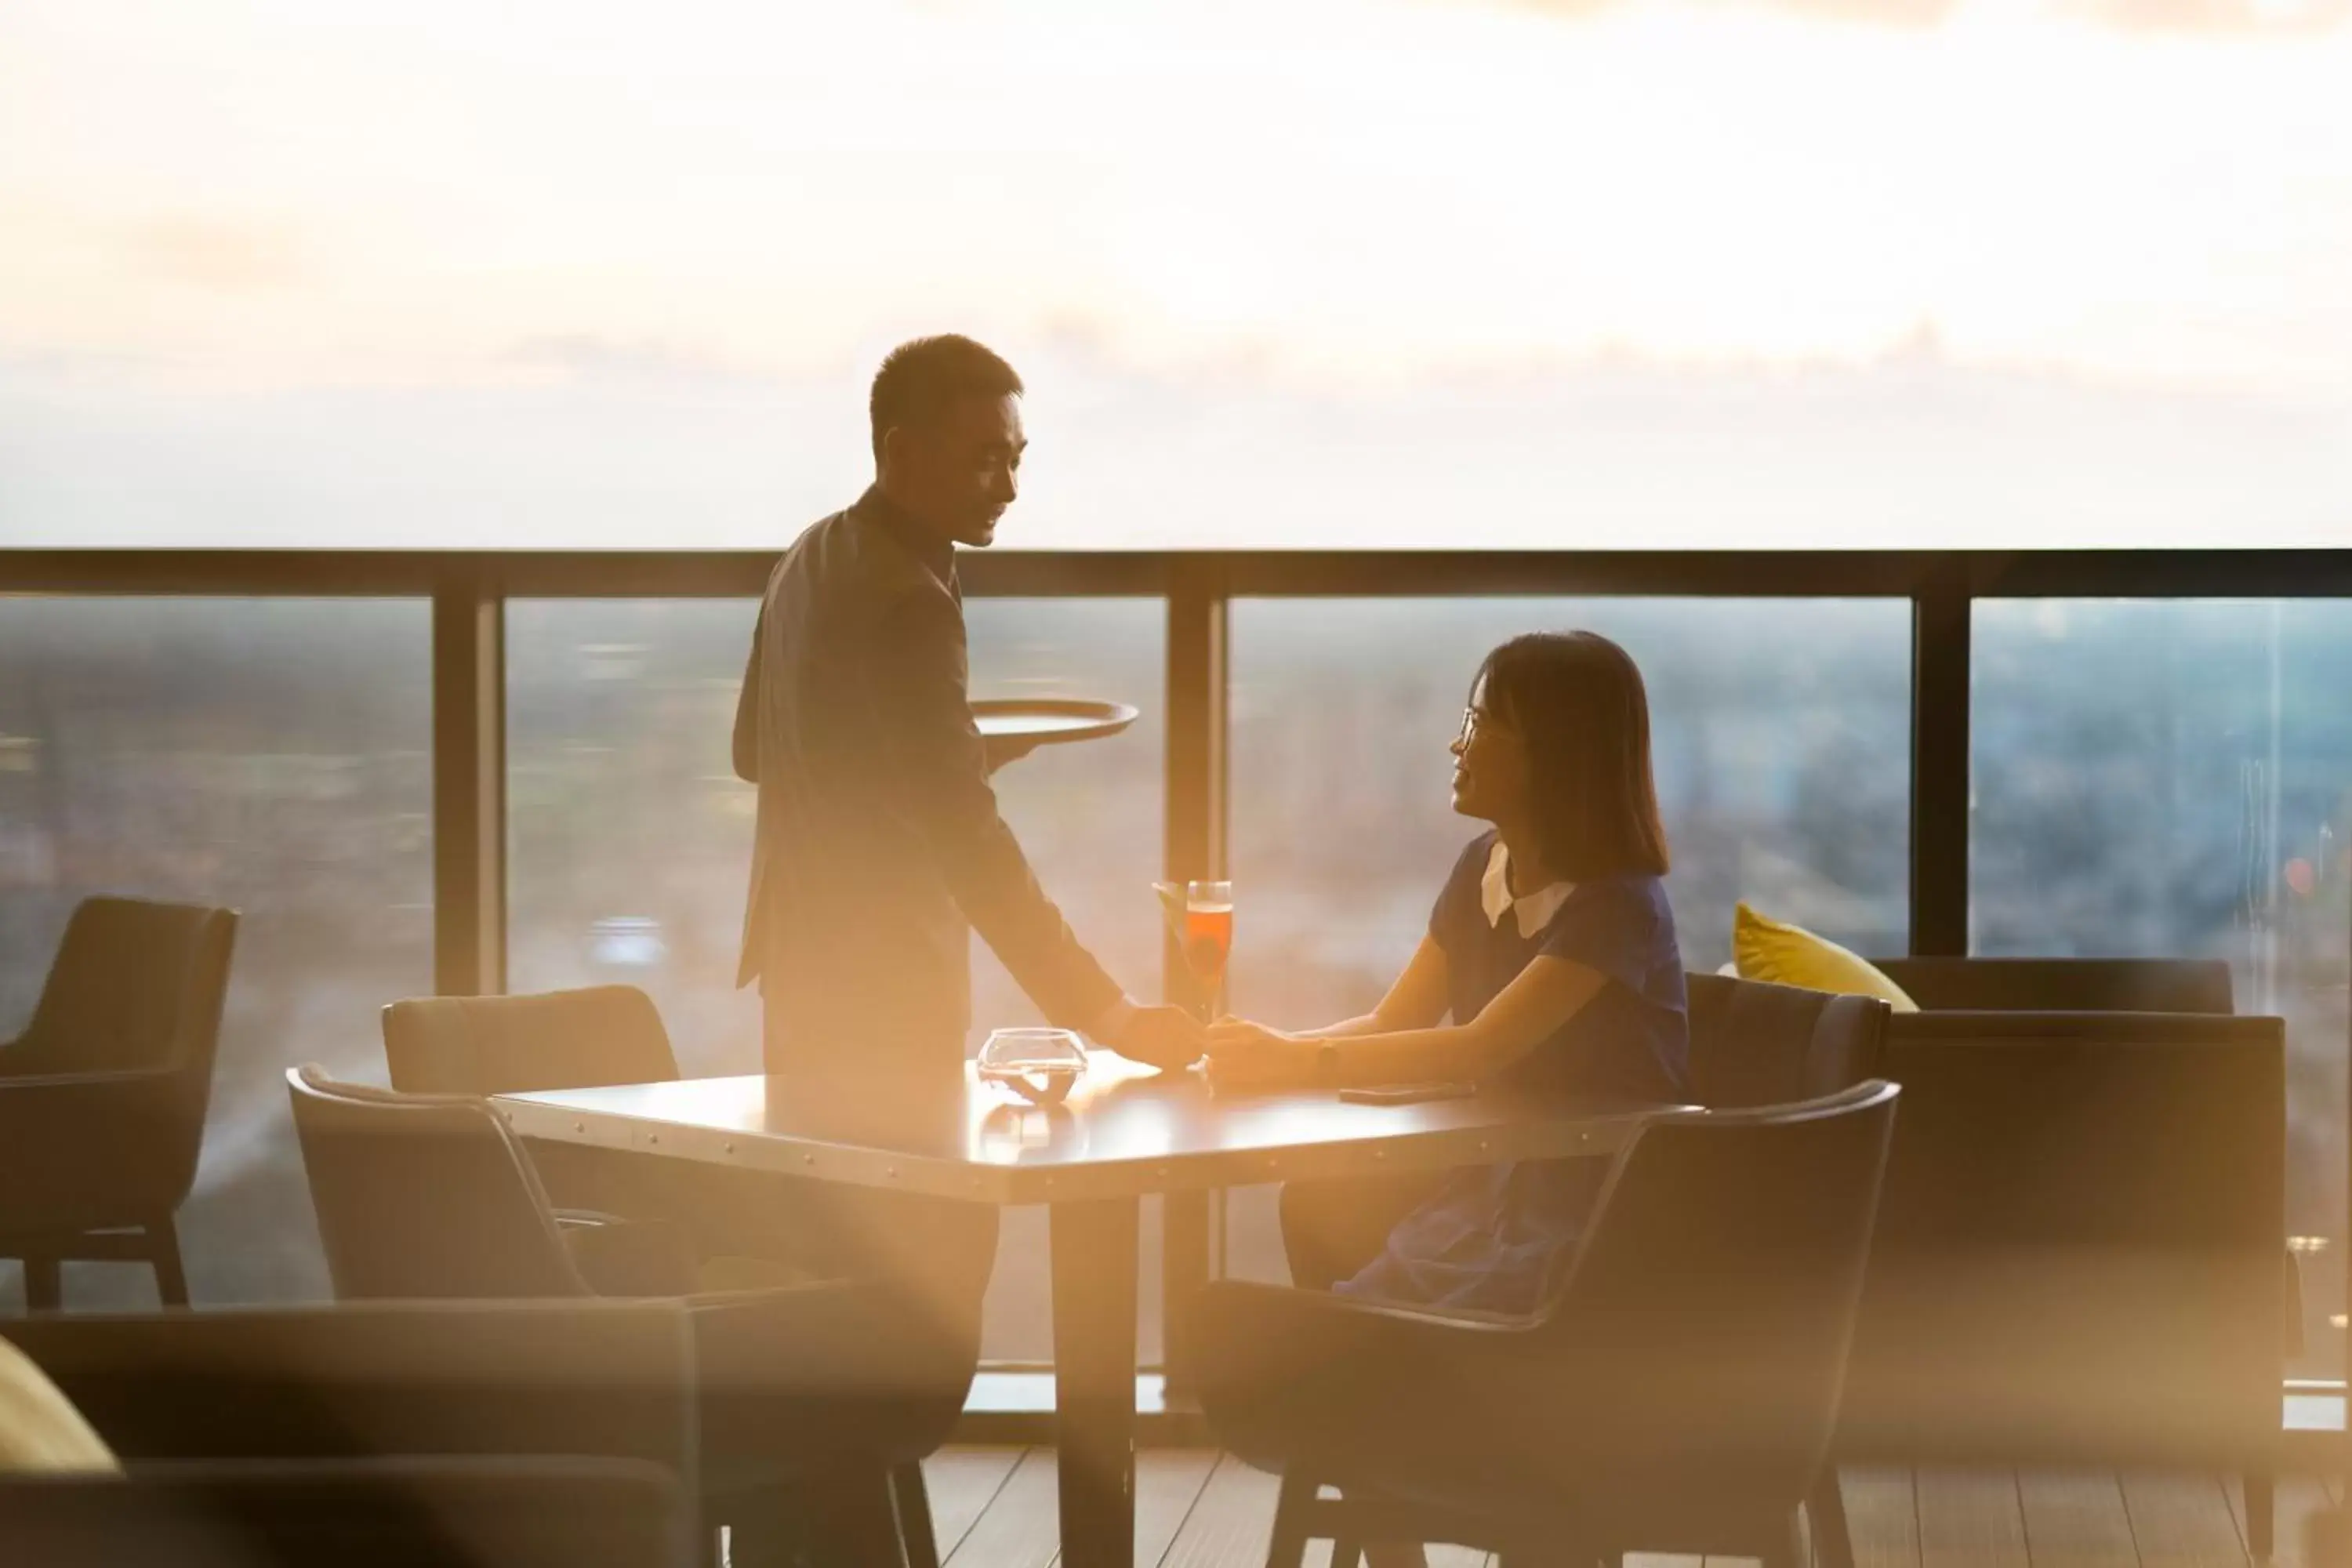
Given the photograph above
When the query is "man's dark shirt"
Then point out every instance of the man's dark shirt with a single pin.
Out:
(879, 848)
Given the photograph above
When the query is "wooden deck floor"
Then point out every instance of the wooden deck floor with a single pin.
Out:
(1196, 1509)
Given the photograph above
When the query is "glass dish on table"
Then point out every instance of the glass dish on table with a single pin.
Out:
(1041, 1066)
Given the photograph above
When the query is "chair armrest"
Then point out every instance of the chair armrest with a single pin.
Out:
(608, 1379)
(69, 1089)
(1310, 1317)
(838, 1367)
(1346, 1386)
(1257, 1341)
(532, 1513)
(102, 1138)
(628, 1258)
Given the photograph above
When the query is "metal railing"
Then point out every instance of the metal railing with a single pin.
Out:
(469, 592)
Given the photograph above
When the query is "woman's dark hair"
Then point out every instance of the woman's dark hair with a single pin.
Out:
(1577, 702)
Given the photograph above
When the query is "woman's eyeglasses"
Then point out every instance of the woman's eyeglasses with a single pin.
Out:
(1472, 722)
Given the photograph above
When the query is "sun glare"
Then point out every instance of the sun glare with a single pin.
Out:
(1325, 199)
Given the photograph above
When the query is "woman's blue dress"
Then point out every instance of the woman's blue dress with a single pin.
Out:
(1491, 1236)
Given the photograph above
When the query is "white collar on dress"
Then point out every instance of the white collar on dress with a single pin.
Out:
(1535, 910)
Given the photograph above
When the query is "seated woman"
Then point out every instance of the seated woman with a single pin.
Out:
(1551, 948)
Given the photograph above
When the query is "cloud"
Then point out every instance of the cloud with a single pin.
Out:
(1877, 12)
(1890, 13)
(1914, 445)
(233, 255)
(2224, 17)
(591, 356)
(2215, 15)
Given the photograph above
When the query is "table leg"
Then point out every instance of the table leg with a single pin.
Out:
(1094, 1248)
(1186, 1258)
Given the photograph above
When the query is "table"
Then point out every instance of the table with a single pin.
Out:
(1124, 1132)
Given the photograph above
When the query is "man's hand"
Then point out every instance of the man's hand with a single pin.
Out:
(1165, 1037)
(1000, 749)
(1243, 1055)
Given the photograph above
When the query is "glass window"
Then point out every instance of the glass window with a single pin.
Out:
(271, 755)
(631, 837)
(1090, 818)
(1780, 740)
(2174, 778)
(1784, 780)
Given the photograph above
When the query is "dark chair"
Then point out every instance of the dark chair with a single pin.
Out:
(2077, 1259)
(375, 1513)
(2063, 984)
(565, 1039)
(834, 1384)
(1753, 1044)
(583, 1038)
(481, 1434)
(1678, 1394)
(507, 1045)
(102, 1099)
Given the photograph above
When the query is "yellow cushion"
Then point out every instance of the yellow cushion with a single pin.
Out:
(39, 1430)
(1791, 955)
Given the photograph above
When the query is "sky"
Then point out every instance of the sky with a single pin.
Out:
(1626, 273)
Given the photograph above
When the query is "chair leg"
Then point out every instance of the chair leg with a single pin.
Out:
(1825, 1512)
(762, 1529)
(171, 1279)
(1347, 1551)
(43, 1285)
(1286, 1547)
(912, 1499)
(2260, 1515)
(853, 1522)
(1786, 1549)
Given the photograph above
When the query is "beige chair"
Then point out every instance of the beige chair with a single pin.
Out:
(102, 1099)
(583, 1038)
(504, 1044)
(837, 1387)
(444, 1435)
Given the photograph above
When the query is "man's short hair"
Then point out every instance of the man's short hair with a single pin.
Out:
(920, 381)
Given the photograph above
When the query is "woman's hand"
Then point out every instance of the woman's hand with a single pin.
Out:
(1243, 1055)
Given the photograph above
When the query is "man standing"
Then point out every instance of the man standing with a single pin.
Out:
(880, 846)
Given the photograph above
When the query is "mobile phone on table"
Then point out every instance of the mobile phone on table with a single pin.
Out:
(1407, 1093)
